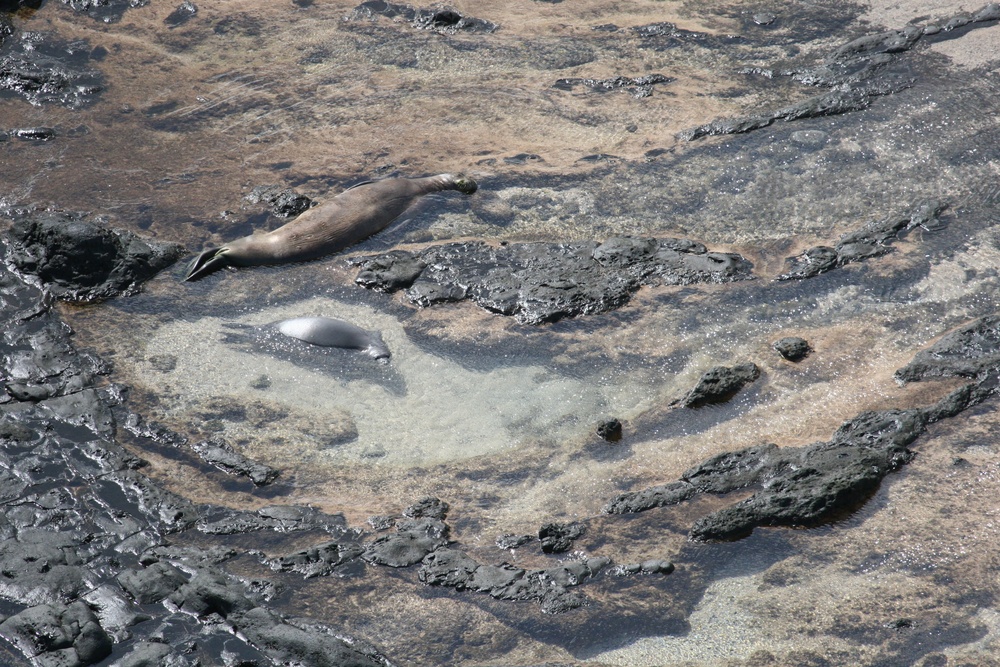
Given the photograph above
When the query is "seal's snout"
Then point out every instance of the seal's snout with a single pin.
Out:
(207, 262)
(465, 185)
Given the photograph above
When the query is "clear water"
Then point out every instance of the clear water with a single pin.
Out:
(498, 418)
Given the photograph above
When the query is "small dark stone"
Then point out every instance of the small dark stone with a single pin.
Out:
(33, 133)
(184, 13)
(764, 18)
(523, 158)
(610, 430)
(558, 537)
(719, 384)
(509, 541)
(792, 348)
(284, 203)
(433, 508)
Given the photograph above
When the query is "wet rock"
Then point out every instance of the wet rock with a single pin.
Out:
(432, 508)
(792, 348)
(971, 351)
(545, 282)
(409, 544)
(184, 13)
(799, 486)
(41, 363)
(558, 537)
(56, 634)
(279, 518)
(638, 87)
(873, 240)
(320, 560)
(303, 644)
(146, 654)
(45, 70)
(153, 583)
(652, 566)
(80, 261)
(610, 430)
(284, 203)
(165, 508)
(381, 522)
(107, 11)
(719, 384)
(809, 138)
(224, 457)
(33, 133)
(441, 19)
(856, 73)
(523, 158)
(509, 541)
(447, 567)
(550, 586)
(211, 592)
(764, 18)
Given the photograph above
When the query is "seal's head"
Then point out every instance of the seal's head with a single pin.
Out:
(465, 185)
(207, 262)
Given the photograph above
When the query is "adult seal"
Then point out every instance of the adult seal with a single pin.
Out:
(350, 217)
(329, 332)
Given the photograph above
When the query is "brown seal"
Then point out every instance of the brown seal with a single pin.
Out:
(350, 217)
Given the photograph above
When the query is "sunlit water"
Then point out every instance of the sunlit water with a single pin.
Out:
(498, 418)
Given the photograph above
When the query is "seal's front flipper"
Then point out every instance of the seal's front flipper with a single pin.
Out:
(207, 262)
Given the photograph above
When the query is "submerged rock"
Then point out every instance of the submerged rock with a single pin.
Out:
(442, 19)
(44, 70)
(873, 240)
(970, 351)
(545, 282)
(610, 430)
(223, 456)
(792, 348)
(719, 384)
(80, 261)
(284, 203)
(856, 73)
(558, 537)
(108, 11)
(638, 87)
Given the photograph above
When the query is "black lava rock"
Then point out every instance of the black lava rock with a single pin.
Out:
(720, 383)
(441, 19)
(970, 351)
(320, 560)
(558, 537)
(284, 203)
(873, 240)
(610, 430)
(184, 13)
(226, 458)
(792, 348)
(80, 261)
(108, 11)
(545, 282)
(411, 542)
(45, 70)
(509, 541)
(638, 87)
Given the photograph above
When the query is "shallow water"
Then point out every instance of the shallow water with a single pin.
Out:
(498, 418)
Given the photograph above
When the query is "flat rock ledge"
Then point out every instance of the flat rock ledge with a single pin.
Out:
(546, 282)
(806, 486)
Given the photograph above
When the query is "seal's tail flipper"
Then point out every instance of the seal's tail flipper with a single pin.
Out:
(207, 262)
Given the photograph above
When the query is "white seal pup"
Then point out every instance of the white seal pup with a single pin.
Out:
(329, 332)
